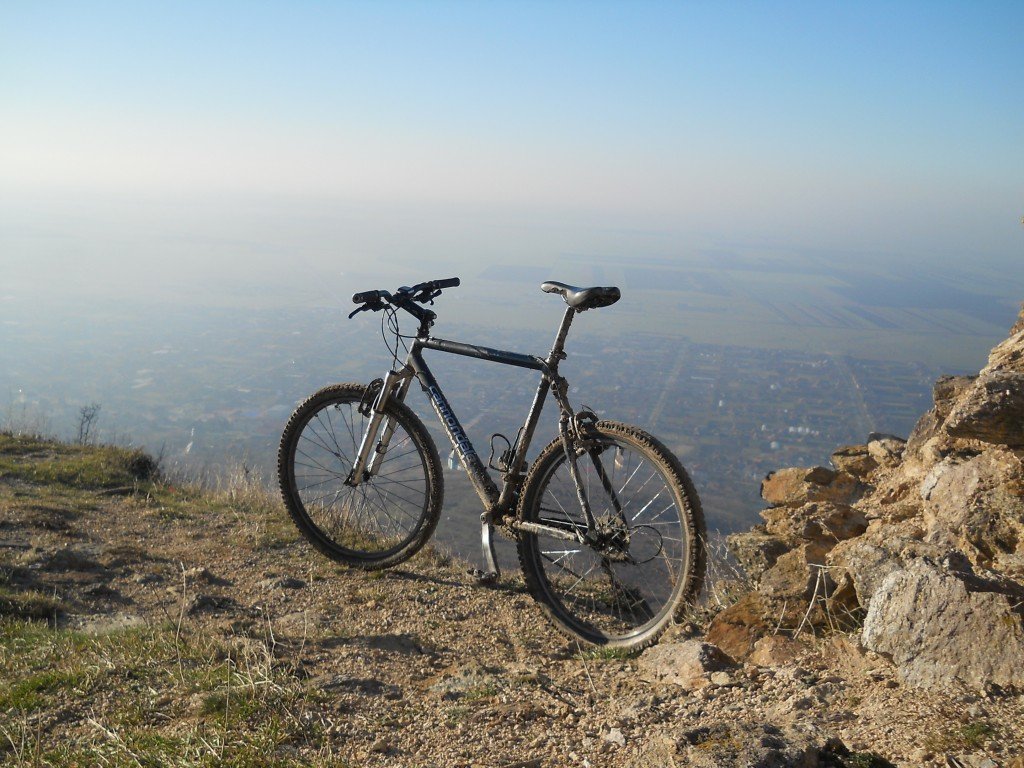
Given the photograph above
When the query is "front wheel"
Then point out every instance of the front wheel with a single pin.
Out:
(390, 514)
(642, 563)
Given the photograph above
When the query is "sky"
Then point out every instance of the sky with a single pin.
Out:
(882, 126)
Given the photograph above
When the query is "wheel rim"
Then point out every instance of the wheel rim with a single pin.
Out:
(616, 590)
(383, 513)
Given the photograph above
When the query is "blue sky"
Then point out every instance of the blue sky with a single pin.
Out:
(873, 125)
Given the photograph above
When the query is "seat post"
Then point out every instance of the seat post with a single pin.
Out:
(557, 349)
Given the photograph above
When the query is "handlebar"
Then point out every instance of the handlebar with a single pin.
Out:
(404, 298)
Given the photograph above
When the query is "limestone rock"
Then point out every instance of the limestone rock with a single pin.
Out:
(854, 460)
(776, 651)
(947, 390)
(688, 664)
(925, 442)
(756, 551)
(887, 450)
(794, 574)
(1008, 355)
(859, 567)
(824, 523)
(941, 628)
(992, 410)
(977, 504)
(799, 485)
(1019, 325)
(736, 629)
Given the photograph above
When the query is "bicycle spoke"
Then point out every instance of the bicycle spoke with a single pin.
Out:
(627, 576)
(386, 510)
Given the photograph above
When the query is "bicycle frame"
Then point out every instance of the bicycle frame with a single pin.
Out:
(498, 503)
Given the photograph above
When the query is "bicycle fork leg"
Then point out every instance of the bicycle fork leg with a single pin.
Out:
(365, 464)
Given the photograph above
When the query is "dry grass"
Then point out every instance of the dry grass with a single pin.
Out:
(724, 583)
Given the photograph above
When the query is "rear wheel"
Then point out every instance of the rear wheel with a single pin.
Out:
(385, 518)
(626, 582)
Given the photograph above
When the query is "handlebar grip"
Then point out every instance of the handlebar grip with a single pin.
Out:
(451, 282)
(366, 297)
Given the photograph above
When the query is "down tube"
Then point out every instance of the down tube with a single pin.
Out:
(482, 482)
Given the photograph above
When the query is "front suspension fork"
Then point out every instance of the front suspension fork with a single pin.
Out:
(371, 450)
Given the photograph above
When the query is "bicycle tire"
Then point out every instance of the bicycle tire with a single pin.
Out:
(584, 591)
(385, 519)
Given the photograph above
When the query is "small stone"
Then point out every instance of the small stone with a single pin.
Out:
(614, 736)
(721, 678)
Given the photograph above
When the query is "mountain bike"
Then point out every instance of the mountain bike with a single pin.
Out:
(608, 525)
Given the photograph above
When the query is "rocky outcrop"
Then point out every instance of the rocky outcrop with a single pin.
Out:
(942, 627)
(867, 539)
(991, 410)
(976, 504)
(798, 486)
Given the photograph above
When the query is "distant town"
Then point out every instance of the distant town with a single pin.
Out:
(216, 388)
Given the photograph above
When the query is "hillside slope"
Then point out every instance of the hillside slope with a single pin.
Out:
(144, 622)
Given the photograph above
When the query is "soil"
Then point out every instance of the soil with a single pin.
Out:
(415, 666)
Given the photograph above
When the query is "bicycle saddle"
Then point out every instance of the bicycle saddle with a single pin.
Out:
(582, 299)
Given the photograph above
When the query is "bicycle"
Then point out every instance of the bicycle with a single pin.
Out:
(608, 525)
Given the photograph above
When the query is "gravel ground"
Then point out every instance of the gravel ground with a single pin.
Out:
(417, 666)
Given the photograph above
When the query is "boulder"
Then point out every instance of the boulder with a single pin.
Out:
(824, 523)
(776, 651)
(738, 627)
(946, 391)
(756, 551)
(797, 486)
(887, 450)
(977, 504)
(941, 627)
(689, 664)
(858, 568)
(794, 575)
(992, 410)
(854, 460)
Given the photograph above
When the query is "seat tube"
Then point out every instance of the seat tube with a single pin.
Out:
(558, 348)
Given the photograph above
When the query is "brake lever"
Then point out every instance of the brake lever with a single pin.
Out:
(426, 296)
(376, 306)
